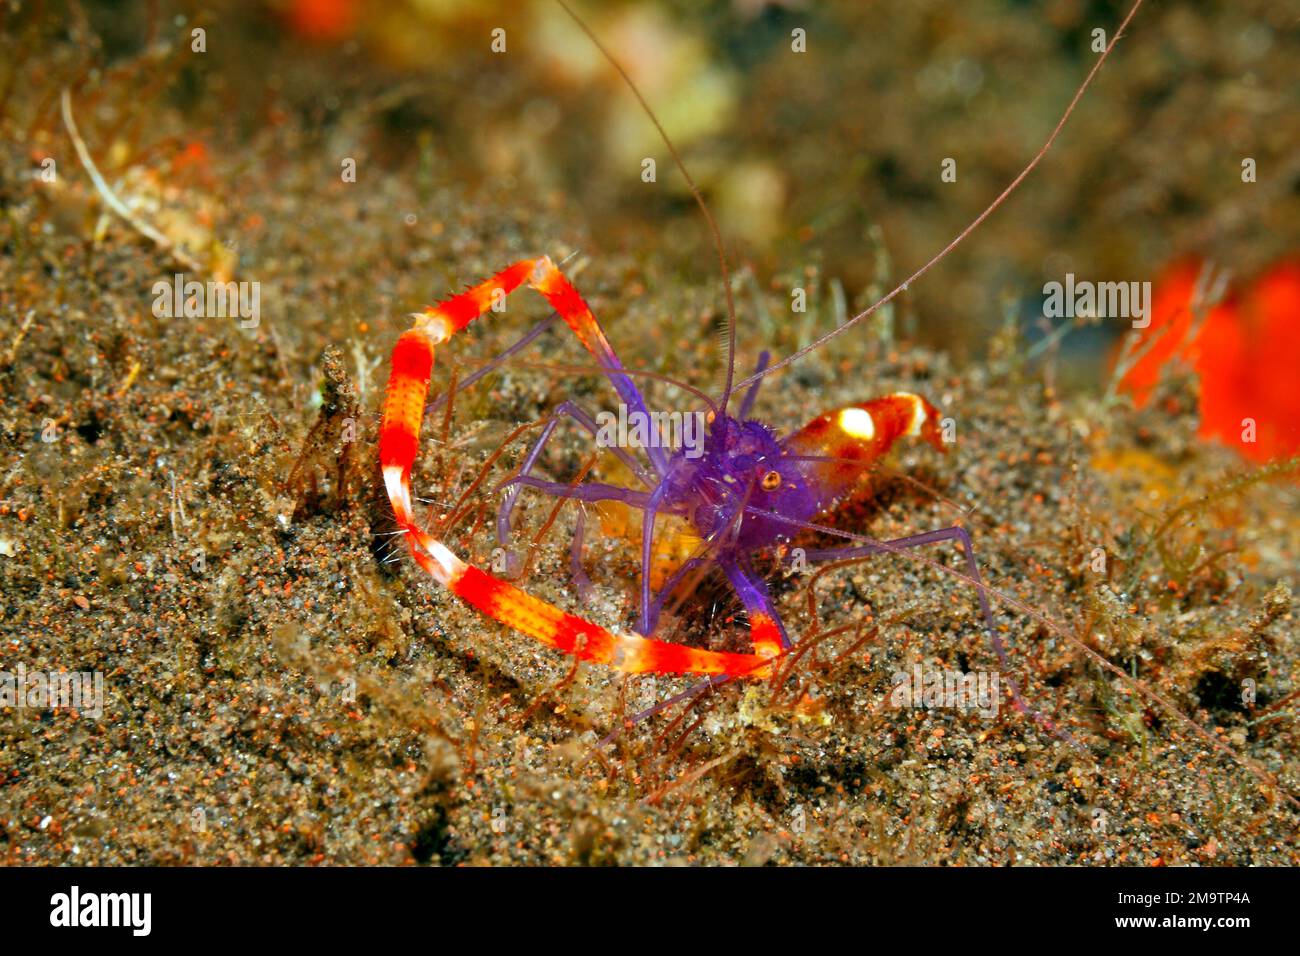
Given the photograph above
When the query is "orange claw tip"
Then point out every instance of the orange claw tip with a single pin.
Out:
(932, 430)
(916, 412)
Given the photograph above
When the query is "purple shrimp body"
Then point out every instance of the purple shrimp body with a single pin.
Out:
(743, 471)
(740, 489)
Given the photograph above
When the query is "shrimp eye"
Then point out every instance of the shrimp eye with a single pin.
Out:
(771, 481)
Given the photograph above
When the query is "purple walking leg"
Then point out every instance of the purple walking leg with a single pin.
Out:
(564, 409)
(753, 594)
(528, 337)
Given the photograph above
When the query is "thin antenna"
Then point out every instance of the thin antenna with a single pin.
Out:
(695, 191)
(1015, 183)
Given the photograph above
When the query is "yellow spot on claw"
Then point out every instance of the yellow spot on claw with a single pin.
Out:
(857, 423)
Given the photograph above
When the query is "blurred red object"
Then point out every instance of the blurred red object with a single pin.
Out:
(324, 21)
(1246, 350)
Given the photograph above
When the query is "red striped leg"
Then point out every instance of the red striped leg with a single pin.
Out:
(412, 362)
